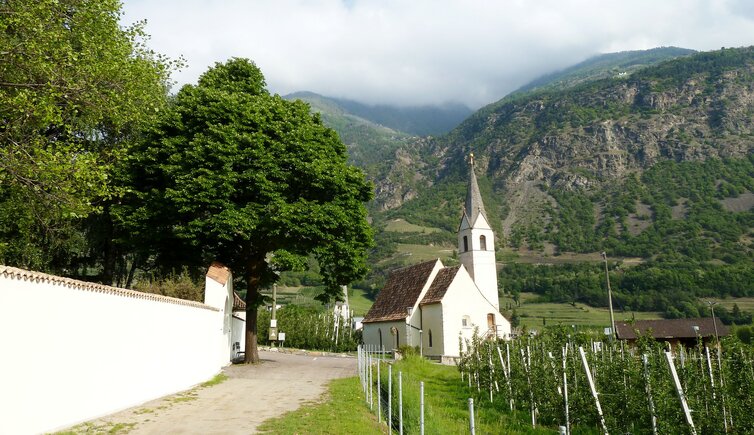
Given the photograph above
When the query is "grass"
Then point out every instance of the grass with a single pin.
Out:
(342, 412)
(359, 302)
(218, 379)
(532, 313)
(402, 226)
(412, 254)
(745, 304)
(446, 403)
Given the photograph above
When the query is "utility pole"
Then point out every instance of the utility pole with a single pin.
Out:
(714, 322)
(273, 321)
(609, 298)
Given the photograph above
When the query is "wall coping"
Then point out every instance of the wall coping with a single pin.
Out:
(28, 275)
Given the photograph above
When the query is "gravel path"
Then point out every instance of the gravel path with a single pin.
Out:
(251, 395)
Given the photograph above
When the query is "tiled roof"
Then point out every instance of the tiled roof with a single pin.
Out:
(672, 328)
(439, 285)
(27, 275)
(401, 290)
(218, 272)
(238, 303)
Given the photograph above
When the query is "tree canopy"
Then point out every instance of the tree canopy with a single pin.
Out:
(236, 174)
(74, 87)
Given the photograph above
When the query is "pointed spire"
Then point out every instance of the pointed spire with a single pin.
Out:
(474, 205)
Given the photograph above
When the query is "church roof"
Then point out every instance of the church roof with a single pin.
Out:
(440, 285)
(402, 289)
(671, 328)
(474, 205)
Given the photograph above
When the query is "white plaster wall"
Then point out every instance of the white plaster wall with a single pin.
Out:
(370, 334)
(71, 354)
(238, 328)
(432, 318)
(463, 298)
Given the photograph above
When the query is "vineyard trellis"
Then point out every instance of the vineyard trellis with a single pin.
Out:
(569, 379)
(311, 329)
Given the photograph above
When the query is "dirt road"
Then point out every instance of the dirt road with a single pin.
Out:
(238, 405)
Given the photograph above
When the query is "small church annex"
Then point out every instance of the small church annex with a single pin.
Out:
(431, 306)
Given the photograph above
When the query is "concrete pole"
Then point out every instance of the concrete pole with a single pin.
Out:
(609, 298)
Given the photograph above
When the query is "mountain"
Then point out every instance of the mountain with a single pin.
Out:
(369, 144)
(601, 67)
(655, 162)
(428, 120)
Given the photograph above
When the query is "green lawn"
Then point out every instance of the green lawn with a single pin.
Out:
(403, 226)
(532, 313)
(344, 410)
(745, 304)
(341, 412)
(358, 301)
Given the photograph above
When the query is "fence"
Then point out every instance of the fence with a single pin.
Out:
(384, 392)
(73, 351)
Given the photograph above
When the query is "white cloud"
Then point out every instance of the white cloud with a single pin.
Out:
(426, 51)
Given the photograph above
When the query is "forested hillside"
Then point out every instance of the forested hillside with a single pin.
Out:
(656, 164)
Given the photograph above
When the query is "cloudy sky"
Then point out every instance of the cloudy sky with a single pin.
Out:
(411, 52)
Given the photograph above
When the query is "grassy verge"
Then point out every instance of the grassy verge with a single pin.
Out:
(343, 412)
(446, 403)
(446, 407)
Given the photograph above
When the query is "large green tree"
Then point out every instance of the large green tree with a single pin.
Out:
(74, 89)
(235, 174)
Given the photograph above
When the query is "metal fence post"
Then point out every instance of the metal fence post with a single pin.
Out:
(390, 398)
(421, 408)
(400, 403)
(472, 429)
(379, 394)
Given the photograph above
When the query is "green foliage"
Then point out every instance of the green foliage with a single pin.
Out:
(233, 173)
(75, 88)
(181, 286)
(527, 373)
(310, 328)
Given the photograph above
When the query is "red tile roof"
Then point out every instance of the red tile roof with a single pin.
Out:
(218, 272)
(401, 290)
(238, 303)
(440, 285)
(671, 328)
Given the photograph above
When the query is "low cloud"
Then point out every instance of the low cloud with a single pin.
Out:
(422, 51)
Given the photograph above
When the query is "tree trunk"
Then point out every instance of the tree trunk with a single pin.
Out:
(253, 272)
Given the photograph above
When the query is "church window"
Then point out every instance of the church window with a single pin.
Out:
(379, 332)
(466, 322)
(483, 243)
(465, 244)
(430, 338)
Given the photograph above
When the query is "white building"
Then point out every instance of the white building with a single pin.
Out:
(432, 306)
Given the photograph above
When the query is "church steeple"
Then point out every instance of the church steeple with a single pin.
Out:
(476, 241)
(474, 204)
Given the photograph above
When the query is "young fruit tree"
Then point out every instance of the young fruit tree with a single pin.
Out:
(235, 174)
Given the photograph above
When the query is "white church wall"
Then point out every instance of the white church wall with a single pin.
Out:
(371, 334)
(74, 351)
(463, 300)
(432, 320)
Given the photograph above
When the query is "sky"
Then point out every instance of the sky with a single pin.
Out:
(416, 52)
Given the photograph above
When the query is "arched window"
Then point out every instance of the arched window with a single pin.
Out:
(483, 243)
(379, 332)
(430, 338)
(465, 243)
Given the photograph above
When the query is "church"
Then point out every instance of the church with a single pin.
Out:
(431, 306)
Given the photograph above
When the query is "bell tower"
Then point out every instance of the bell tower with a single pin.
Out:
(476, 241)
